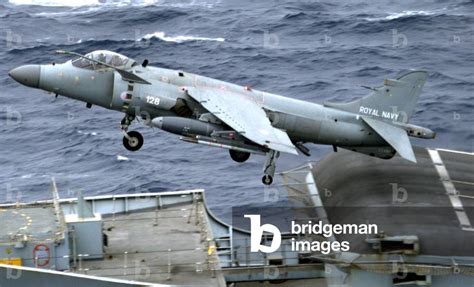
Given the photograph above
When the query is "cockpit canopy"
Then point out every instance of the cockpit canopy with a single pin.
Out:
(111, 58)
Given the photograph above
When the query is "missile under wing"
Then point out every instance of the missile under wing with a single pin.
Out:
(245, 116)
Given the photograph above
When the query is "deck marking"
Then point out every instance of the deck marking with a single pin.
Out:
(316, 198)
(463, 182)
(313, 190)
(455, 151)
(451, 191)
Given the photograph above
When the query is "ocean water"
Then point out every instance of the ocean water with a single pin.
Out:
(311, 50)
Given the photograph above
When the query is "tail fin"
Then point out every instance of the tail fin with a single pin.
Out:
(394, 101)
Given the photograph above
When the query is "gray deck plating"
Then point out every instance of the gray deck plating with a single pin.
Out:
(403, 198)
(158, 238)
(39, 224)
(170, 252)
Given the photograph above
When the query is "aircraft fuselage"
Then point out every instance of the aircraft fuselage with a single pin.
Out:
(203, 110)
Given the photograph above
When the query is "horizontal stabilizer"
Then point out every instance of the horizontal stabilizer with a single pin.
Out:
(394, 136)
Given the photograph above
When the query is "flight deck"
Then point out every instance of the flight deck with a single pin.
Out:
(423, 210)
(433, 199)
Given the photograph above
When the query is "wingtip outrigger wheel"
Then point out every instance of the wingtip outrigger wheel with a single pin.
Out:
(133, 141)
(267, 179)
(269, 167)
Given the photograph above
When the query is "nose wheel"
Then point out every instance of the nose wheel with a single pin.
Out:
(133, 140)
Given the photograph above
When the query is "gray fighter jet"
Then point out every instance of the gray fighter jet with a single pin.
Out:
(243, 120)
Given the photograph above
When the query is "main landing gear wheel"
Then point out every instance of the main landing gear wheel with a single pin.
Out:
(267, 179)
(239, 156)
(133, 141)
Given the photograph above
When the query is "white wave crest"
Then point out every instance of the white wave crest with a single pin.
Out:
(393, 16)
(74, 11)
(114, 3)
(122, 158)
(408, 14)
(56, 3)
(178, 39)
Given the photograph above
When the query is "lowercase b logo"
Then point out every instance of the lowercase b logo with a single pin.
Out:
(256, 233)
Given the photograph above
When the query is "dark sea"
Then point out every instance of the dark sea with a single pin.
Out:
(311, 50)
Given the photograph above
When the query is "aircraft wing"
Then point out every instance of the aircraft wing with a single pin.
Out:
(245, 116)
(394, 136)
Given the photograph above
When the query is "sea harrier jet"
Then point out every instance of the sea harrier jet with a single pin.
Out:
(238, 118)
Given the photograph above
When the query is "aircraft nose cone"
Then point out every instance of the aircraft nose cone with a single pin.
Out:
(28, 75)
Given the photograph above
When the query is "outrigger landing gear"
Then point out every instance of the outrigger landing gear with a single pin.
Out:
(269, 167)
(133, 140)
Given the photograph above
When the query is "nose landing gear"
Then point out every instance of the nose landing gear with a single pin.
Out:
(132, 140)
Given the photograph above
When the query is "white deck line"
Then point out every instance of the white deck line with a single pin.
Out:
(316, 197)
(77, 275)
(451, 191)
(313, 190)
(455, 151)
(110, 196)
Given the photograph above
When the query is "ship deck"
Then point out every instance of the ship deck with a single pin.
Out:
(168, 238)
(36, 223)
(167, 246)
(432, 199)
